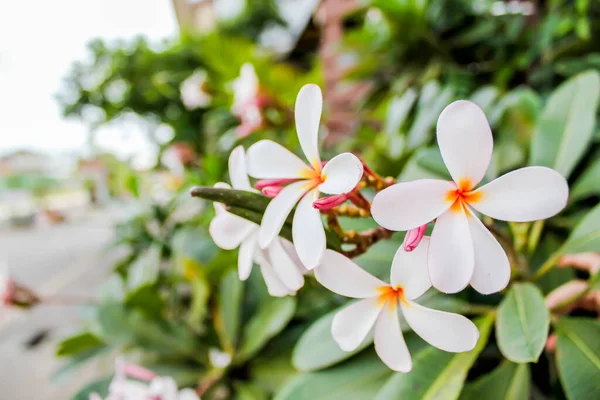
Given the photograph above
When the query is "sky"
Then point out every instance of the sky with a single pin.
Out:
(38, 42)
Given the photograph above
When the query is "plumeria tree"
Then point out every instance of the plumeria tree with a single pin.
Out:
(445, 247)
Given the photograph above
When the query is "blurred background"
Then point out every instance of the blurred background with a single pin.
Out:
(111, 110)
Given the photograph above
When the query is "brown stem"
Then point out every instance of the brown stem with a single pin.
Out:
(351, 211)
(205, 384)
(366, 239)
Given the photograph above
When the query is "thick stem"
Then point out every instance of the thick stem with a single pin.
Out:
(515, 260)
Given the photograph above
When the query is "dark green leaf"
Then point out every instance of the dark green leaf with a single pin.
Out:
(249, 391)
(271, 318)
(78, 343)
(522, 323)
(436, 374)
(230, 307)
(588, 184)
(509, 381)
(586, 235)
(565, 128)
(144, 270)
(578, 357)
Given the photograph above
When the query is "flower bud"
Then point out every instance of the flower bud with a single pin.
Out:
(327, 203)
(413, 238)
(263, 183)
(272, 191)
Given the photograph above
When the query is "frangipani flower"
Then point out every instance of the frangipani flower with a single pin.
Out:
(379, 307)
(268, 160)
(144, 385)
(280, 267)
(462, 249)
(247, 102)
(192, 91)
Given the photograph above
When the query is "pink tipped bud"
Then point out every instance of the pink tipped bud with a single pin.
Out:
(263, 183)
(138, 372)
(272, 191)
(413, 238)
(327, 203)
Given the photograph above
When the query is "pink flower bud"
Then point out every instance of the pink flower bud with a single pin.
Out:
(413, 238)
(272, 191)
(327, 203)
(263, 183)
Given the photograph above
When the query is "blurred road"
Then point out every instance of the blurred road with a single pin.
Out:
(62, 260)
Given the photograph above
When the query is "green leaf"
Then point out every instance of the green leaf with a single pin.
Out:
(200, 296)
(586, 235)
(357, 379)
(249, 391)
(588, 184)
(522, 323)
(146, 299)
(271, 319)
(144, 270)
(436, 374)
(227, 319)
(427, 115)
(398, 110)
(509, 381)
(78, 343)
(114, 324)
(316, 348)
(431, 160)
(565, 128)
(578, 357)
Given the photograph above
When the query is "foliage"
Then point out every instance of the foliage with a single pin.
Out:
(175, 296)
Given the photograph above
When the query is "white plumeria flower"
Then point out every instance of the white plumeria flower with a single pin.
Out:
(165, 388)
(280, 267)
(462, 249)
(245, 89)
(192, 91)
(269, 160)
(145, 385)
(379, 307)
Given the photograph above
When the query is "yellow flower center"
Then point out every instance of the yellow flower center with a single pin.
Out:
(462, 194)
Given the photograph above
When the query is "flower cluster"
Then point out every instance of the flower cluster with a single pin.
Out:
(133, 382)
(461, 250)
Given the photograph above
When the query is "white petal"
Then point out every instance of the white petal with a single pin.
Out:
(451, 257)
(409, 270)
(246, 255)
(492, 269)
(341, 275)
(308, 232)
(444, 330)
(352, 324)
(284, 266)
(291, 250)
(163, 388)
(275, 287)
(228, 230)
(188, 394)
(389, 342)
(465, 141)
(237, 170)
(278, 210)
(268, 160)
(341, 174)
(524, 195)
(309, 104)
(408, 205)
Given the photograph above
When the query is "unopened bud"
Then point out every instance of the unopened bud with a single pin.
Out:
(413, 238)
(272, 191)
(327, 203)
(263, 183)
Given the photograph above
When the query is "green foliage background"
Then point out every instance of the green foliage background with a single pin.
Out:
(175, 295)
